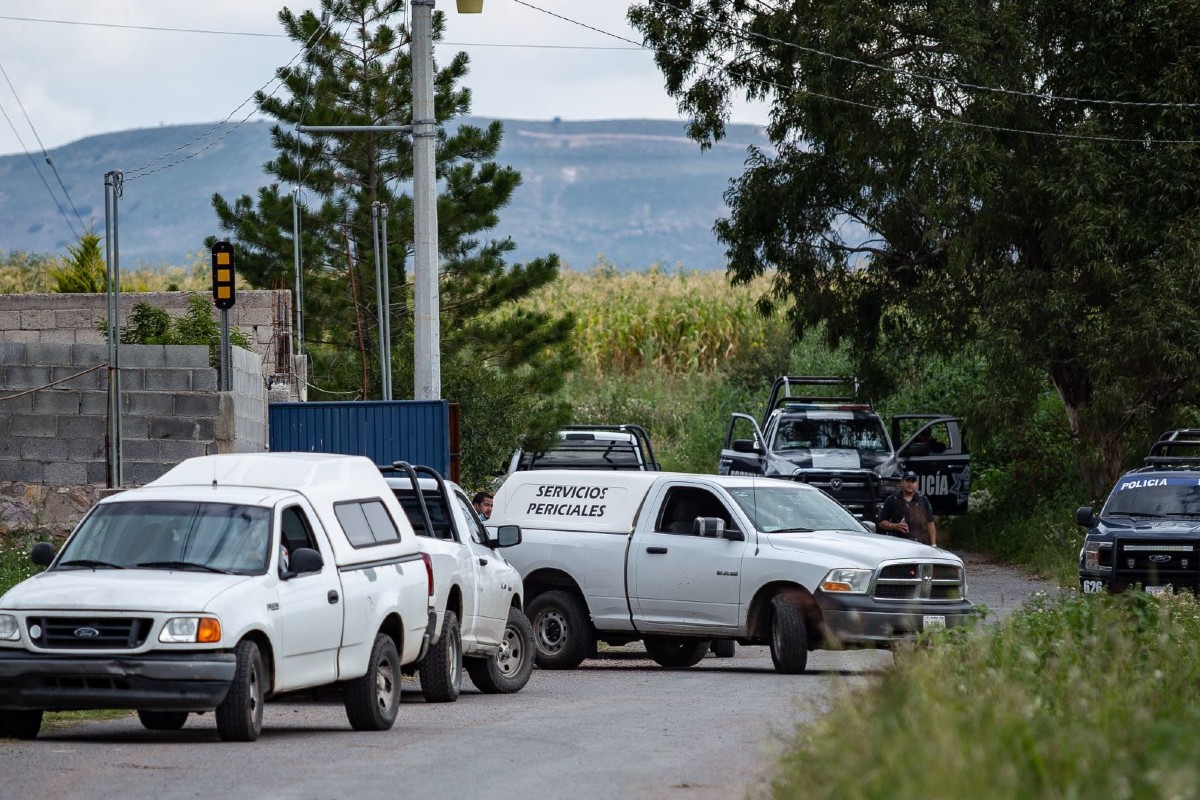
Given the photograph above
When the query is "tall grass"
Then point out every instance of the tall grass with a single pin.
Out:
(1071, 697)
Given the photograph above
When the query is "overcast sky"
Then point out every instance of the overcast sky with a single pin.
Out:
(73, 69)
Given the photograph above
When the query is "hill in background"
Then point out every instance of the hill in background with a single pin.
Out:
(637, 192)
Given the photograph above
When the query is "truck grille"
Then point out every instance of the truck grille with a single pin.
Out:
(88, 633)
(857, 490)
(1157, 563)
(917, 581)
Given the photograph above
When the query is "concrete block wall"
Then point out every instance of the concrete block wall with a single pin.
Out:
(54, 420)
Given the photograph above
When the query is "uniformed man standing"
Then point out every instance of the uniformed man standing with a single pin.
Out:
(907, 513)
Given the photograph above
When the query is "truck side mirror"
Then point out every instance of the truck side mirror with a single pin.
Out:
(745, 446)
(302, 560)
(42, 554)
(507, 536)
(708, 527)
(1085, 517)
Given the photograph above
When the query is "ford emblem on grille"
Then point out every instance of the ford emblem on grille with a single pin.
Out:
(1160, 558)
(86, 633)
(835, 483)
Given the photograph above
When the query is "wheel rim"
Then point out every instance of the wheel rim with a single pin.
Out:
(256, 693)
(511, 653)
(551, 630)
(454, 662)
(385, 684)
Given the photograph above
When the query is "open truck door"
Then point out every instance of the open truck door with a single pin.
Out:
(744, 450)
(934, 448)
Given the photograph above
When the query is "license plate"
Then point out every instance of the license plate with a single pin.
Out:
(1156, 590)
(933, 621)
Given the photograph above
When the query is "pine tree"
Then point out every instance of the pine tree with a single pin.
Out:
(355, 69)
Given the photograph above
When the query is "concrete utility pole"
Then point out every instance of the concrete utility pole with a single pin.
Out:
(113, 183)
(427, 365)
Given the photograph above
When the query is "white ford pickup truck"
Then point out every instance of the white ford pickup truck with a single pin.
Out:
(477, 594)
(679, 560)
(229, 580)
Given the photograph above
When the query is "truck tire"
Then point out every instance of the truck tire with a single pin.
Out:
(239, 717)
(789, 635)
(373, 701)
(508, 671)
(441, 668)
(676, 652)
(562, 630)
(724, 648)
(20, 723)
(162, 720)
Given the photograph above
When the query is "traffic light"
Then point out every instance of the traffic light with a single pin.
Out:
(222, 275)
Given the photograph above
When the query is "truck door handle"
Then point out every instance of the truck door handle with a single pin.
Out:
(482, 562)
(657, 551)
(333, 596)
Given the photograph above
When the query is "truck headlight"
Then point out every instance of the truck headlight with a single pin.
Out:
(191, 630)
(1091, 556)
(9, 630)
(855, 581)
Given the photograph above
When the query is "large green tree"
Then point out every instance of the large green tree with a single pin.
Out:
(355, 68)
(1016, 177)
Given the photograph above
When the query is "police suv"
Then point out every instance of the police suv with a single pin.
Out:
(1147, 534)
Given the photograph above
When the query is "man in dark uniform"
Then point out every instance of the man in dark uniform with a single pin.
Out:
(907, 513)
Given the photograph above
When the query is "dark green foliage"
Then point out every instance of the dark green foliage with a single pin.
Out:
(358, 71)
(85, 271)
(908, 211)
(151, 325)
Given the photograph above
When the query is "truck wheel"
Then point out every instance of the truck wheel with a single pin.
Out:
(789, 636)
(20, 723)
(373, 701)
(441, 668)
(562, 631)
(508, 671)
(162, 720)
(675, 652)
(724, 648)
(239, 717)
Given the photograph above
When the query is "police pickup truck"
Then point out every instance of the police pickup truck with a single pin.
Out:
(477, 594)
(677, 560)
(1147, 533)
(839, 445)
(625, 446)
(228, 581)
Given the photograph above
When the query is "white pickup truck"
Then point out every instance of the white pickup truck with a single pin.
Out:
(229, 580)
(477, 596)
(678, 560)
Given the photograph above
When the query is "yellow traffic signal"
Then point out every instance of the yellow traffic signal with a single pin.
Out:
(224, 294)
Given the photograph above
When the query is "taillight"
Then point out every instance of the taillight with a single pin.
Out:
(428, 573)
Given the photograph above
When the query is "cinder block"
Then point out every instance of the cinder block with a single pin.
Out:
(135, 427)
(86, 355)
(205, 429)
(44, 449)
(65, 474)
(190, 355)
(18, 377)
(23, 336)
(171, 428)
(81, 427)
(144, 355)
(204, 380)
(60, 336)
(72, 378)
(11, 352)
(34, 425)
(93, 402)
(197, 404)
(56, 401)
(97, 473)
(147, 404)
(84, 450)
(168, 380)
(132, 380)
(141, 449)
(37, 320)
(139, 473)
(70, 318)
(173, 452)
(16, 402)
(10, 320)
(27, 471)
(47, 354)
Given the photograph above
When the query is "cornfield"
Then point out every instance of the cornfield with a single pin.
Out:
(673, 322)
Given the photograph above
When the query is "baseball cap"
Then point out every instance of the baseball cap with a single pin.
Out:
(909, 475)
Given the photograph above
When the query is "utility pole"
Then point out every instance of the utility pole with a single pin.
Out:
(427, 364)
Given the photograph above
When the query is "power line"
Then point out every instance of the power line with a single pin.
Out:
(143, 27)
(42, 177)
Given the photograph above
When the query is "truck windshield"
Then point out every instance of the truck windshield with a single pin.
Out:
(208, 537)
(785, 509)
(859, 433)
(1154, 497)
